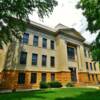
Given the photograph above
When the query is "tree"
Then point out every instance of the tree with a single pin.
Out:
(91, 10)
(14, 15)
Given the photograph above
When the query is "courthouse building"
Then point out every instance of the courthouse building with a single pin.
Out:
(47, 54)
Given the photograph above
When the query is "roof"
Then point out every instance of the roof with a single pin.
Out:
(59, 28)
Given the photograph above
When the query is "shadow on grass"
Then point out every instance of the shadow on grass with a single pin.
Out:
(34, 95)
(93, 95)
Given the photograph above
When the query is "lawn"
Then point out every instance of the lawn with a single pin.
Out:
(54, 94)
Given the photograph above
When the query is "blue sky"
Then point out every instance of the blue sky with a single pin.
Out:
(66, 14)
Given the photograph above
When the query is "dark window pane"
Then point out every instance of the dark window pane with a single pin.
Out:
(71, 53)
(89, 77)
(35, 41)
(93, 77)
(52, 61)
(87, 65)
(44, 60)
(44, 43)
(43, 77)
(52, 76)
(21, 78)
(34, 59)
(23, 57)
(94, 66)
(52, 44)
(91, 66)
(33, 77)
(25, 38)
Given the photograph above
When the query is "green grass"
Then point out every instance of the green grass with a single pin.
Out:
(54, 94)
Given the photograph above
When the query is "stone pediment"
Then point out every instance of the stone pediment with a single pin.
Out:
(69, 32)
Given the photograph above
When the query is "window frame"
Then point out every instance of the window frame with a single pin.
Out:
(52, 44)
(36, 59)
(44, 78)
(35, 41)
(25, 39)
(23, 58)
(52, 61)
(44, 43)
(20, 80)
(44, 63)
(73, 56)
(33, 76)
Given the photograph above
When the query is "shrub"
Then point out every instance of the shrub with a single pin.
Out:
(54, 84)
(70, 84)
(43, 85)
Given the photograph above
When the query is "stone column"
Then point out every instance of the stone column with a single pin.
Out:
(62, 54)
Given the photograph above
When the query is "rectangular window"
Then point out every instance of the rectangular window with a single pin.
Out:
(33, 77)
(21, 78)
(95, 66)
(93, 77)
(89, 77)
(34, 59)
(43, 77)
(44, 43)
(23, 57)
(87, 65)
(52, 44)
(91, 66)
(25, 38)
(96, 77)
(52, 59)
(85, 52)
(52, 76)
(35, 41)
(71, 53)
(44, 60)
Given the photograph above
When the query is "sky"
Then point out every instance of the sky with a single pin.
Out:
(66, 14)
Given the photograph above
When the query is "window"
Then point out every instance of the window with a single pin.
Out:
(96, 77)
(89, 77)
(87, 65)
(93, 77)
(33, 77)
(44, 43)
(91, 66)
(43, 77)
(95, 66)
(35, 41)
(25, 38)
(52, 76)
(44, 60)
(21, 78)
(23, 57)
(52, 61)
(52, 44)
(71, 53)
(34, 59)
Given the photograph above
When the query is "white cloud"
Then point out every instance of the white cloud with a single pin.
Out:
(67, 14)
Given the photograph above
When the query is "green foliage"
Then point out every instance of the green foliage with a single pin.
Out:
(14, 14)
(43, 85)
(95, 47)
(70, 84)
(91, 10)
(55, 84)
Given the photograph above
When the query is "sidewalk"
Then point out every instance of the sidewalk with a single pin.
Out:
(17, 90)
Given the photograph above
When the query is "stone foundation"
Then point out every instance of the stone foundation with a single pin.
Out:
(10, 79)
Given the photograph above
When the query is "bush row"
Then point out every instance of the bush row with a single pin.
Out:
(54, 84)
